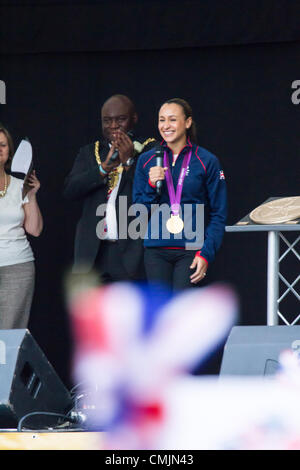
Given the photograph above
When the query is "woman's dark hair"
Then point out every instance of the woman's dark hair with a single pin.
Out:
(188, 112)
(10, 147)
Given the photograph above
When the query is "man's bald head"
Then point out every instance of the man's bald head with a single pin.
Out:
(117, 113)
(123, 99)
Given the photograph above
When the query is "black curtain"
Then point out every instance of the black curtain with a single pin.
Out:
(83, 26)
(235, 62)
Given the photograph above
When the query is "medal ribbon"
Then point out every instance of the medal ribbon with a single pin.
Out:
(176, 198)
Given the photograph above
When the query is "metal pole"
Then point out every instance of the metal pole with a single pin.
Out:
(273, 278)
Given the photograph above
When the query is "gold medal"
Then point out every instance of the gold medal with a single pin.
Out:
(174, 224)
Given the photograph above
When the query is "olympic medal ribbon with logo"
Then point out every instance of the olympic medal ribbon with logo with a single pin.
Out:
(175, 223)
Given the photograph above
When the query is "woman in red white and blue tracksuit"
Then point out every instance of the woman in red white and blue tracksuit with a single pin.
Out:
(180, 257)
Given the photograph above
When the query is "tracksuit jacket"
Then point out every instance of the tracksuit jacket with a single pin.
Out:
(204, 183)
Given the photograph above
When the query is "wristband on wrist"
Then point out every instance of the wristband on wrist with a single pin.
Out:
(102, 171)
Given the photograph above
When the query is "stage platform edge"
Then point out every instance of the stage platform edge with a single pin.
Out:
(51, 440)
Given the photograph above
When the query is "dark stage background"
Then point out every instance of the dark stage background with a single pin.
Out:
(234, 61)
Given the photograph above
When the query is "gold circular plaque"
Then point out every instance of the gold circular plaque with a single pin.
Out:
(174, 224)
(277, 212)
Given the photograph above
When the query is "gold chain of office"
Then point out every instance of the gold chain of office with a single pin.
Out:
(113, 176)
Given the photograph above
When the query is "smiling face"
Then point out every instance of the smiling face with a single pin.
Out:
(4, 150)
(173, 125)
(117, 114)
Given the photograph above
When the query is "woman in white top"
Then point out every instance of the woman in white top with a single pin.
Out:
(18, 216)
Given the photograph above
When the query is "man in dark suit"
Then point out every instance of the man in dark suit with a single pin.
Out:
(101, 176)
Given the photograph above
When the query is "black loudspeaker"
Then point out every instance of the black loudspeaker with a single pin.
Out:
(28, 382)
(255, 350)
